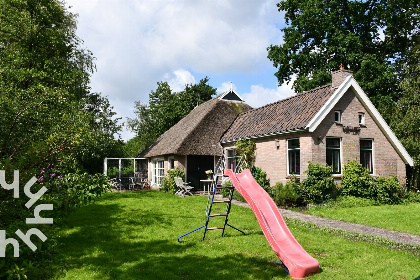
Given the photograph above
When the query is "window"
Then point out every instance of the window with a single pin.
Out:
(337, 116)
(171, 163)
(366, 154)
(362, 118)
(231, 159)
(293, 149)
(158, 170)
(333, 155)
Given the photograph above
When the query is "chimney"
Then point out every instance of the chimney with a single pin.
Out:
(339, 76)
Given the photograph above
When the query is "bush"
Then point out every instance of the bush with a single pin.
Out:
(65, 193)
(261, 178)
(168, 183)
(359, 183)
(285, 195)
(319, 185)
(388, 190)
(356, 181)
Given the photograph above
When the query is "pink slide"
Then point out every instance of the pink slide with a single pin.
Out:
(299, 263)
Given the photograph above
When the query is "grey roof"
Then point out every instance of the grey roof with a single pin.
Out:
(200, 131)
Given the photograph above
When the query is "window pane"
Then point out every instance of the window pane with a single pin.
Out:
(294, 156)
(337, 116)
(231, 153)
(366, 154)
(333, 155)
(333, 142)
(366, 143)
(294, 143)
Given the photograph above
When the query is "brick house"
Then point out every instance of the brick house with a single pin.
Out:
(332, 125)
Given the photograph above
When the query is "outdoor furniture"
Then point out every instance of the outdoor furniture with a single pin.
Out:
(183, 188)
(207, 184)
(115, 183)
(132, 184)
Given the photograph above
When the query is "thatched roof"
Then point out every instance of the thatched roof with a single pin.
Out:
(200, 131)
(287, 115)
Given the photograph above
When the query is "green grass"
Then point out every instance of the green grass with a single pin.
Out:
(404, 218)
(134, 236)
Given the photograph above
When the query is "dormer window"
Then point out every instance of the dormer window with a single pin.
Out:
(361, 118)
(337, 116)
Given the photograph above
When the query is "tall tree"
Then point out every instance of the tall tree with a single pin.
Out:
(406, 117)
(165, 109)
(369, 37)
(44, 84)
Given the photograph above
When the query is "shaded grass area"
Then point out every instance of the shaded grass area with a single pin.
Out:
(134, 236)
(404, 218)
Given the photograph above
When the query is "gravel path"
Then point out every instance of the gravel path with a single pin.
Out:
(399, 237)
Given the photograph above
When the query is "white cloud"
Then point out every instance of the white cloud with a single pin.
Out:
(226, 86)
(259, 96)
(138, 42)
(178, 79)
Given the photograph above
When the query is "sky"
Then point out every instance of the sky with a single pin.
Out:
(138, 43)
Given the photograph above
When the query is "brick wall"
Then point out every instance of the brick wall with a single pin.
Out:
(272, 157)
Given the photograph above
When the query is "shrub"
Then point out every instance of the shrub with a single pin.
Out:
(168, 183)
(359, 183)
(65, 193)
(261, 178)
(285, 195)
(319, 185)
(356, 181)
(387, 190)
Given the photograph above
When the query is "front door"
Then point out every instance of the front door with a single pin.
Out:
(196, 167)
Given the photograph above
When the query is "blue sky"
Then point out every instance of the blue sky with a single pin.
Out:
(138, 43)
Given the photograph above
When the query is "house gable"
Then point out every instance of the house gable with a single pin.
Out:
(231, 95)
(351, 83)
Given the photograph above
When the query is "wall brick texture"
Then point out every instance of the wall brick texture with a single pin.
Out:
(272, 157)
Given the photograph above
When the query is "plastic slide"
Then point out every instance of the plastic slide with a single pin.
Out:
(299, 263)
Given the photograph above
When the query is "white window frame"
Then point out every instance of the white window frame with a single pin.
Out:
(337, 115)
(372, 167)
(361, 118)
(332, 148)
(171, 163)
(289, 150)
(231, 158)
(158, 170)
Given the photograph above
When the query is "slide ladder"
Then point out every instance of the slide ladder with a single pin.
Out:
(213, 200)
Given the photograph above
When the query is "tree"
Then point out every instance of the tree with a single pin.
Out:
(165, 109)
(45, 100)
(369, 37)
(406, 117)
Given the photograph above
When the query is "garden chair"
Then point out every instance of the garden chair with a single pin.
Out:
(183, 187)
(115, 183)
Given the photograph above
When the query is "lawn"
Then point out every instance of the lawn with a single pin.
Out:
(134, 236)
(404, 218)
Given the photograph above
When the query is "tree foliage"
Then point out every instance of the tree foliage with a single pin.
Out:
(166, 108)
(369, 37)
(247, 148)
(406, 117)
(47, 112)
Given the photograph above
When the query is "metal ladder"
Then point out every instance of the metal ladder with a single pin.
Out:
(218, 176)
